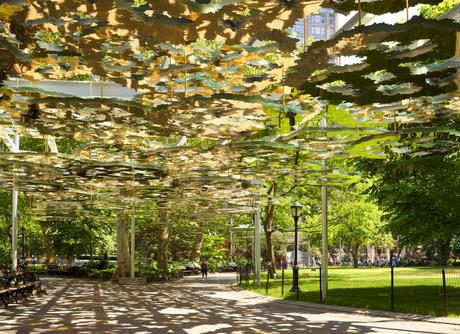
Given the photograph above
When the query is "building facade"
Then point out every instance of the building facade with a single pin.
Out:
(316, 27)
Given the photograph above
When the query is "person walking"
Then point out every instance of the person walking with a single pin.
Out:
(204, 268)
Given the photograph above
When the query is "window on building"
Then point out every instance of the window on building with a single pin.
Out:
(319, 26)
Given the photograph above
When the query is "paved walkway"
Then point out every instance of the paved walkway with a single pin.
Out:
(190, 306)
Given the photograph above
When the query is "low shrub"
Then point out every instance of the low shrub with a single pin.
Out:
(151, 273)
(108, 273)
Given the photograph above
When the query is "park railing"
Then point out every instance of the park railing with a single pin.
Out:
(428, 290)
(417, 291)
(452, 291)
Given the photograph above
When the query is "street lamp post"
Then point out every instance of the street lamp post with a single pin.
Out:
(296, 208)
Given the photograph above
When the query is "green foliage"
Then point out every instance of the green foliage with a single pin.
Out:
(33, 237)
(108, 273)
(32, 144)
(434, 11)
(152, 273)
(78, 77)
(420, 197)
(67, 146)
(181, 237)
(245, 12)
(252, 71)
(146, 54)
(184, 222)
(283, 217)
(241, 260)
(341, 117)
(97, 269)
(5, 254)
(270, 57)
(139, 3)
(83, 235)
(37, 267)
(213, 250)
(206, 48)
(175, 270)
(357, 223)
(50, 37)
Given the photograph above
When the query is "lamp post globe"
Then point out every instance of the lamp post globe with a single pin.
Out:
(296, 209)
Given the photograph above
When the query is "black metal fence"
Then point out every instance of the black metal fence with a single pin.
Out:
(432, 291)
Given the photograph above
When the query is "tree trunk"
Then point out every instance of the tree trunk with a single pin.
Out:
(271, 260)
(49, 251)
(163, 242)
(196, 248)
(268, 229)
(444, 252)
(355, 255)
(123, 258)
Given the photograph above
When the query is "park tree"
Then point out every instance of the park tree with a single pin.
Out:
(82, 235)
(25, 219)
(280, 197)
(279, 192)
(355, 224)
(214, 249)
(420, 197)
(184, 234)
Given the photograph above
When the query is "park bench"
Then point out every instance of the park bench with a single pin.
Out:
(5, 290)
(191, 269)
(9, 287)
(31, 282)
(15, 285)
(190, 272)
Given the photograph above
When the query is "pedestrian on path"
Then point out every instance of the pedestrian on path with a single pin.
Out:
(204, 268)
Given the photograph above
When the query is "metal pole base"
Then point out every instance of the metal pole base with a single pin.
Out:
(295, 280)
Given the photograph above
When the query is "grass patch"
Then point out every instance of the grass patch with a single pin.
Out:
(417, 289)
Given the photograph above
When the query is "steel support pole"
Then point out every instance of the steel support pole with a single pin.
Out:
(325, 251)
(14, 232)
(257, 251)
(133, 241)
(14, 216)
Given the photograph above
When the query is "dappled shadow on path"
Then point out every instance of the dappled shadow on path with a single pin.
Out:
(191, 306)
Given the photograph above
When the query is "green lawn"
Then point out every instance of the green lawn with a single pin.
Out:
(417, 290)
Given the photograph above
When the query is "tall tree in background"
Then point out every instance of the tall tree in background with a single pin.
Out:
(356, 223)
(25, 220)
(420, 196)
